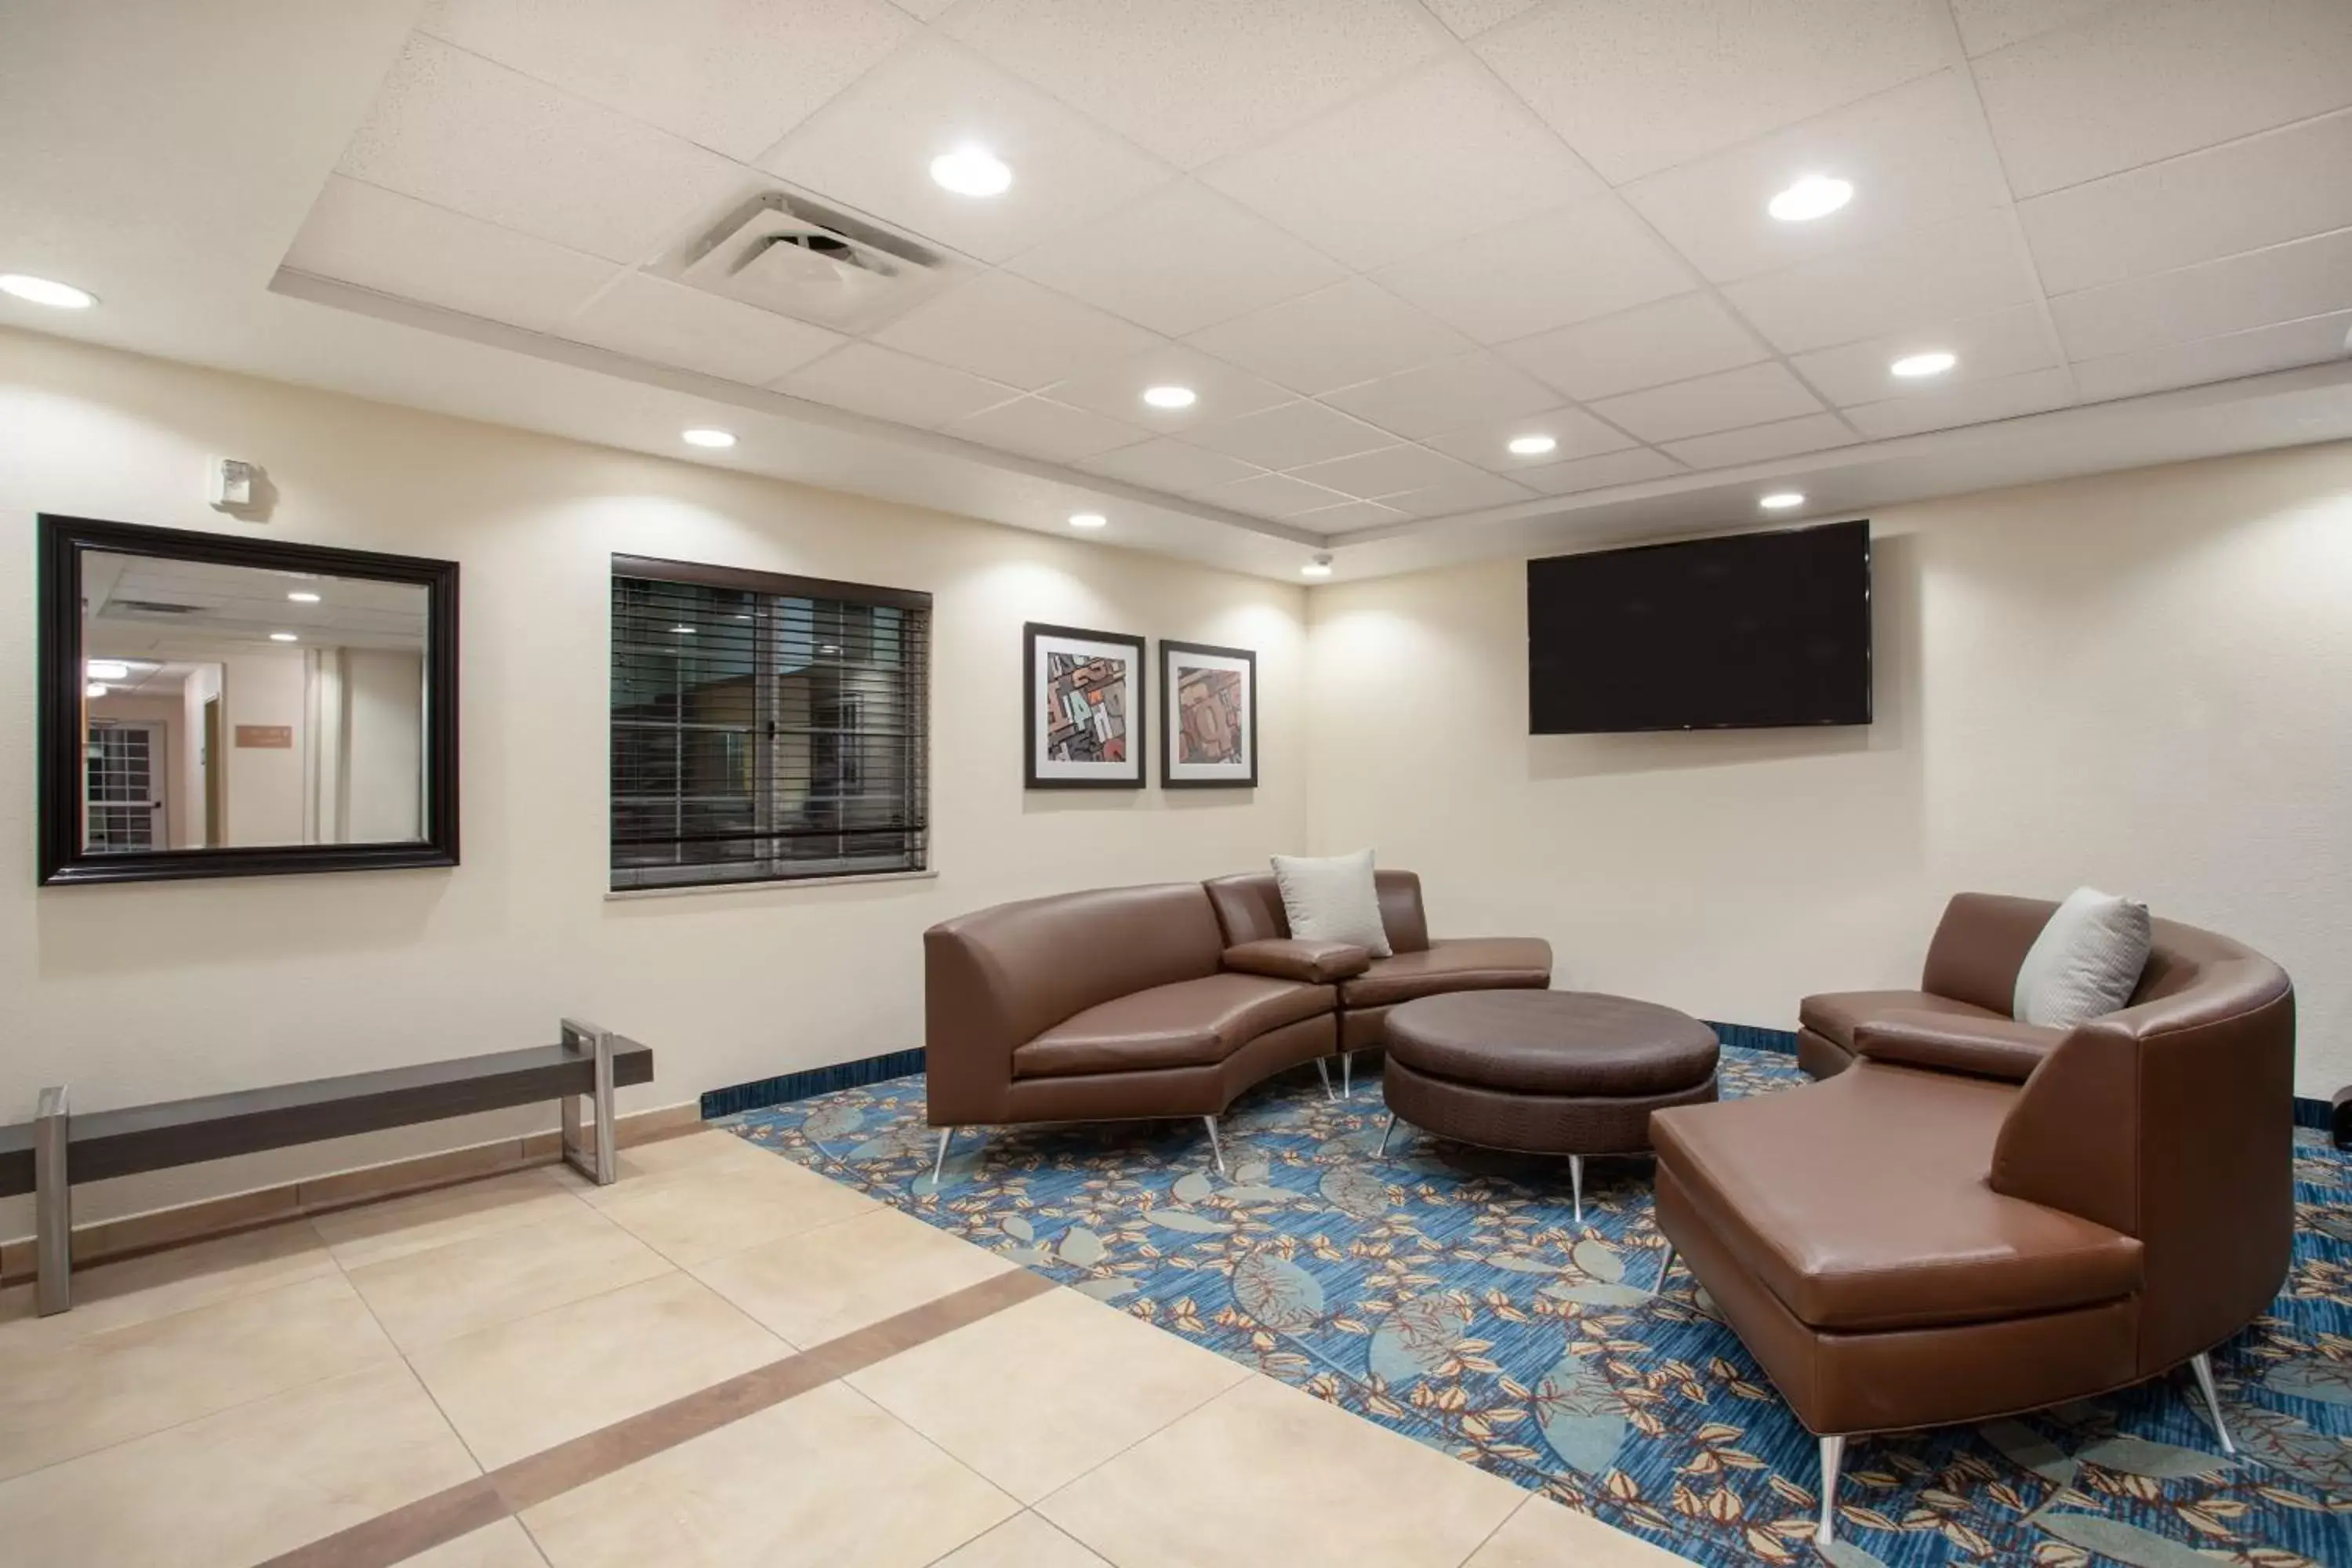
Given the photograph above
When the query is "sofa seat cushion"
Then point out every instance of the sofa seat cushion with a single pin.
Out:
(1192, 1023)
(1833, 1014)
(1860, 1203)
(1462, 964)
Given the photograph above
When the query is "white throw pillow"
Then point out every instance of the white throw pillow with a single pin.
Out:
(2085, 962)
(1332, 899)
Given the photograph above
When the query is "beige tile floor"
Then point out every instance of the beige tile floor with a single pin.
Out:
(233, 1401)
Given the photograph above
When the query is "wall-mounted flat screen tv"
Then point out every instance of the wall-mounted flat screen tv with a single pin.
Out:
(1751, 631)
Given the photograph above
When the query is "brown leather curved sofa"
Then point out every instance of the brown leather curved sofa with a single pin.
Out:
(1167, 1000)
(1966, 1224)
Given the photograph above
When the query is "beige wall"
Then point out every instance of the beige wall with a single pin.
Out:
(2142, 681)
(262, 787)
(140, 993)
(383, 746)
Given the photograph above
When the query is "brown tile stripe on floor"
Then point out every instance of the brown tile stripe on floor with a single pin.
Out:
(431, 1521)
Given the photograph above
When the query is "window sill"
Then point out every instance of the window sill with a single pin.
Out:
(771, 885)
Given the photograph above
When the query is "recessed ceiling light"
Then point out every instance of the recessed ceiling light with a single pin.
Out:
(704, 436)
(284, 637)
(1087, 519)
(1171, 396)
(1815, 196)
(1318, 567)
(95, 689)
(971, 171)
(108, 670)
(1781, 500)
(1531, 446)
(299, 597)
(42, 291)
(1915, 365)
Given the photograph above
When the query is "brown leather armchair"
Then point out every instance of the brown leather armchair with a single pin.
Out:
(2029, 1226)
(1166, 1001)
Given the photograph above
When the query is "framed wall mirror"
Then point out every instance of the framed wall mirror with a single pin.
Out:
(216, 705)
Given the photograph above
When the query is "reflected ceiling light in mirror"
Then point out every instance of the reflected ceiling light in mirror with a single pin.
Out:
(1088, 520)
(704, 436)
(971, 171)
(1815, 196)
(1531, 446)
(284, 637)
(95, 689)
(1911, 368)
(1171, 396)
(1782, 500)
(46, 292)
(299, 597)
(108, 669)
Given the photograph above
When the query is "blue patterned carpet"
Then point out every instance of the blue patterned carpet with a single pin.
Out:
(1446, 1292)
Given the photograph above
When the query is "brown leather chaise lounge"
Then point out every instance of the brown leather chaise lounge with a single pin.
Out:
(1968, 1222)
(1168, 1000)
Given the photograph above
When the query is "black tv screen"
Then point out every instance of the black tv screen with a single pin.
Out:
(1751, 631)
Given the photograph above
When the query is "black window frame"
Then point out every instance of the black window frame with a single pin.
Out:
(792, 786)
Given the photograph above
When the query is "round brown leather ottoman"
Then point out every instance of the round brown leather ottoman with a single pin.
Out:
(1543, 1072)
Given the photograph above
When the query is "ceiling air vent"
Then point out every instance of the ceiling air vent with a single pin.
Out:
(786, 253)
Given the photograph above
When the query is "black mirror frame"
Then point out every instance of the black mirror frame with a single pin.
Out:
(63, 860)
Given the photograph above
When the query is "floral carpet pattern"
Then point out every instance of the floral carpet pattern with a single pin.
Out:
(1446, 1292)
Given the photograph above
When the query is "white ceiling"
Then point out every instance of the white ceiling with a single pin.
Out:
(1380, 237)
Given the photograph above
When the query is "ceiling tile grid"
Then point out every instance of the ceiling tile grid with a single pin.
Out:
(1379, 240)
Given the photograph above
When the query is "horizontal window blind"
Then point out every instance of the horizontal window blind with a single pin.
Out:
(765, 728)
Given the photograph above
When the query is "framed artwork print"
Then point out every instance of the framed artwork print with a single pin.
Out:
(1084, 696)
(1209, 702)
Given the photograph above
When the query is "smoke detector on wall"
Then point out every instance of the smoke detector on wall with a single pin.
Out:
(786, 253)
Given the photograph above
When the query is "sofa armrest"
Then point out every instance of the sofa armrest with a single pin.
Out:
(1988, 1047)
(1289, 958)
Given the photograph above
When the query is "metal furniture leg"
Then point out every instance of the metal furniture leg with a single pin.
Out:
(600, 1163)
(2203, 1361)
(1216, 1149)
(1832, 1458)
(1323, 1065)
(939, 1160)
(52, 1205)
(1665, 1269)
(1576, 1183)
(1384, 1134)
(1347, 1075)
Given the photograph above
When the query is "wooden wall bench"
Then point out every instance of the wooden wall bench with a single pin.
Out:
(46, 1155)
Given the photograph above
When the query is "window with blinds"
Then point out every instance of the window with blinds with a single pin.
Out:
(765, 728)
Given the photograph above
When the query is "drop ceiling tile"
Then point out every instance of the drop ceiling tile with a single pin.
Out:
(1989, 24)
(1351, 517)
(399, 246)
(1673, 340)
(2006, 342)
(1468, 18)
(1391, 471)
(1970, 267)
(462, 133)
(1008, 329)
(2033, 393)
(2263, 190)
(1587, 259)
(871, 147)
(1194, 80)
(2307, 277)
(733, 75)
(1353, 330)
(2312, 341)
(1640, 88)
(1576, 433)
(1292, 435)
(2143, 82)
(1040, 428)
(1422, 162)
(1222, 391)
(1710, 403)
(1465, 390)
(1180, 259)
(1917, 155)
(868, 379)
(1628, 467)
(929, 10)
(1271, 496)
(1177, 466)
(1473, 491)
(1760, 443)
(669, 323)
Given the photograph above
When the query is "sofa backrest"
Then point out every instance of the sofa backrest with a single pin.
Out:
(1249, 907)
(2173, 1120)
(1042, 961)
(1979, 945)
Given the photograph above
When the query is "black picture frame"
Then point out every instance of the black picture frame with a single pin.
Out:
(1134, 772)
(1171, 713)
(63, 861)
